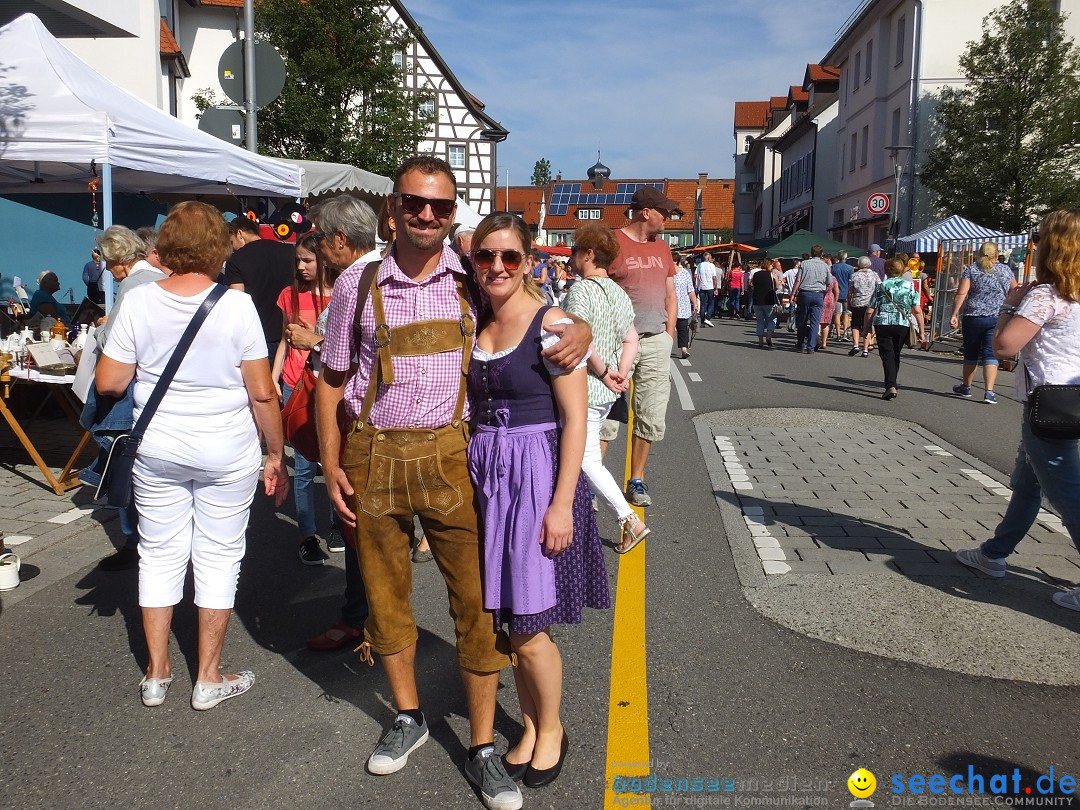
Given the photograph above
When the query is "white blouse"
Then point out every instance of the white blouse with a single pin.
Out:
(1052, 357)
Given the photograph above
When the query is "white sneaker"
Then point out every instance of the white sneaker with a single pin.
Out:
(974, 558)
(706, 322)
(1068, 599)
(208, 695)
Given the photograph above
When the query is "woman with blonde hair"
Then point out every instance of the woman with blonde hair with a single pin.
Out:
(1041, 321)
(982, 290)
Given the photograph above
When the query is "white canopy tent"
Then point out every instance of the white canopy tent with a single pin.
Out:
(320, 177)
(957, 228)
(61, 121)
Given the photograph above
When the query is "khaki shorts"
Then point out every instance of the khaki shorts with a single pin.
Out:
(395, 475)
(652, 389)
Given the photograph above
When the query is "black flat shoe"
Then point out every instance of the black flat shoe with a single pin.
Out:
(515, 772)
(535, 777)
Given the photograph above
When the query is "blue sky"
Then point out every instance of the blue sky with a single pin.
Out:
(650, 84)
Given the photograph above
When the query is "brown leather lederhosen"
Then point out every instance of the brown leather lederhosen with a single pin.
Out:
(399, 473)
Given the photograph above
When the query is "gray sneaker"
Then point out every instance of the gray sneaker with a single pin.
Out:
(637, 493)
(497, 789)
(1068, 599)
(974, 558)
(400, 740)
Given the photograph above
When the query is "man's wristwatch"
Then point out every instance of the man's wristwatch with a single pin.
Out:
(1007, 309)
(317, 348)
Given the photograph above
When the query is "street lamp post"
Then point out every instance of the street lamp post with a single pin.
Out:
(898, 176)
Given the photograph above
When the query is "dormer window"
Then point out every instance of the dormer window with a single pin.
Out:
(588, 213)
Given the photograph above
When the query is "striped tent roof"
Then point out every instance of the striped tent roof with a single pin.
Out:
(957, 228)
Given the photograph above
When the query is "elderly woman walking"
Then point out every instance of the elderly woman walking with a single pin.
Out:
(199, 459)
(891, 308)
(982, 291)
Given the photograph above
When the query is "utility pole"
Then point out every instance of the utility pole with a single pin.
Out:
(249, 76)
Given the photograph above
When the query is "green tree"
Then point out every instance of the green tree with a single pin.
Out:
(541, 175)
(1007, 148)
(343, 100)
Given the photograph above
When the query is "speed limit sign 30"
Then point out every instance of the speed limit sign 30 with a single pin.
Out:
(877, 203)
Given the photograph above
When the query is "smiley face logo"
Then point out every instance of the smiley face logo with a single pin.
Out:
(861, 783)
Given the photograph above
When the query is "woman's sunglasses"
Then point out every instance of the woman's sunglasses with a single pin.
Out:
(414, 204)
(483, 259)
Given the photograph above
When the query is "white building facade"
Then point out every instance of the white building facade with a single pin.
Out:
(895, 57)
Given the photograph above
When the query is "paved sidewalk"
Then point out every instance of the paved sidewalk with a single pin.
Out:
(863, 513)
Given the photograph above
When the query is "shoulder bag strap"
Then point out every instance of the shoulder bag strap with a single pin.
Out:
(177, 358)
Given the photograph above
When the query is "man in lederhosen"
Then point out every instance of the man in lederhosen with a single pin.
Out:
(398, 361)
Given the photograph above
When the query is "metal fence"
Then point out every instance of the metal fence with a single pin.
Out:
(954, 255)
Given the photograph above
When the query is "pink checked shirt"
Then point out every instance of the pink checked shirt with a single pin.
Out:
(425, 388)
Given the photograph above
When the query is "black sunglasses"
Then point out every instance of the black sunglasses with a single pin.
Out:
(1035, 238)
(483, 259)
(414, 204)
(317, 237)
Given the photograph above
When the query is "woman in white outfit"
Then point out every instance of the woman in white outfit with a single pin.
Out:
(601, 302)
(198, 463)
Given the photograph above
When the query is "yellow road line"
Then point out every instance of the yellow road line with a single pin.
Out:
(628, 702)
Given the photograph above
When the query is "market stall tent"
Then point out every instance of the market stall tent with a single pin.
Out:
(957, 228)
(801, 241)
(62, 123)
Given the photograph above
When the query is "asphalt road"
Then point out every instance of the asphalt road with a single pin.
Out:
(732, 696)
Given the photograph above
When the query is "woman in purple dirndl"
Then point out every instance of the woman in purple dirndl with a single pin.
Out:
(542, 557)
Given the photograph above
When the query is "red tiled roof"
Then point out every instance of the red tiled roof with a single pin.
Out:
(778, 102)
(822, 73)
(718, 200)
(751, 114)
(169, 45)
(797, 94)
(225, 3)
(524, 201)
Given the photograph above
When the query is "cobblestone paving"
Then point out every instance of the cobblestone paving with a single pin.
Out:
(847, 500)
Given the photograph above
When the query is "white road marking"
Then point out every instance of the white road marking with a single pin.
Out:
(937, 451)
(694, 376)
(71, 515)
(17, 539)
(684, 361)
(680, 386)
(775, 567)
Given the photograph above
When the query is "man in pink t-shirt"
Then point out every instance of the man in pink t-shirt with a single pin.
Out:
(645, 270)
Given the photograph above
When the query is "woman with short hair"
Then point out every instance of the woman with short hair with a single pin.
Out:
(198, 461)
(891, 308)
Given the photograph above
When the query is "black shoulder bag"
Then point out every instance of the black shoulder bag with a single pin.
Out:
(1055, 410)
(116, 477)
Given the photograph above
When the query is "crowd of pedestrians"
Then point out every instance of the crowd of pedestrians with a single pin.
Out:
(470, 388)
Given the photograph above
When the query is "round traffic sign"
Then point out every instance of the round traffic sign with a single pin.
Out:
(877, 203)
(269, 73)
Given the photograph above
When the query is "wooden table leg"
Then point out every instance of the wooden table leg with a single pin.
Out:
(67, 479)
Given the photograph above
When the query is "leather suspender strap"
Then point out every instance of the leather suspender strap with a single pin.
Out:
(382, 339)
(468, 335)
(363, 290)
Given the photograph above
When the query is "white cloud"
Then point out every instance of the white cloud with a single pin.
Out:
(651, 85)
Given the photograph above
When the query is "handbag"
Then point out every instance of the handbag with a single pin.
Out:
(116, 475)
(298, 417)
(1054, 410)
(620, 409)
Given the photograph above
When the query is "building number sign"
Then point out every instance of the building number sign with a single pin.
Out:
(877, 203)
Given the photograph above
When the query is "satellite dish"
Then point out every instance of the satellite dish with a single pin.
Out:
(225, 124)
(269, 73)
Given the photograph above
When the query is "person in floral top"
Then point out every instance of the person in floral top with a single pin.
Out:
(893, 303)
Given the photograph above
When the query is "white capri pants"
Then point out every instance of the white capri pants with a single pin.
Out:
(592, 464)
(191, 514)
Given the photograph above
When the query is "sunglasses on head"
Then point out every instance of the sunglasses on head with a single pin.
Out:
(484, 258)
(413, 204)
(317, 237)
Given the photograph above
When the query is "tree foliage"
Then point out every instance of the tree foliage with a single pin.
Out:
(541, 175)
(343, 100)
(1007, 148)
